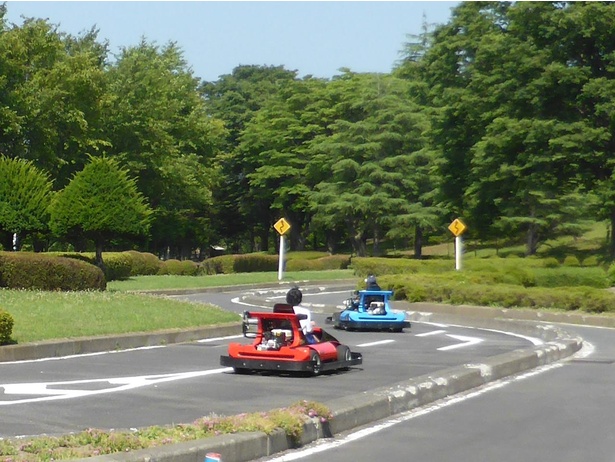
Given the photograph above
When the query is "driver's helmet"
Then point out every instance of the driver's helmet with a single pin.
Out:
(294, 296)
(371, 283)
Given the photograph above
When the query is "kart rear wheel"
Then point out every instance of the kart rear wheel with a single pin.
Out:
(241, 370)
(343, 353)
(316, 363)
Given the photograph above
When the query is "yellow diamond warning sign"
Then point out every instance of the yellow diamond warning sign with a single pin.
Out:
(282, 226)
(457, 227)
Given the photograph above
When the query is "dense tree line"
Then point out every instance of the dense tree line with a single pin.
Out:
(504, 117)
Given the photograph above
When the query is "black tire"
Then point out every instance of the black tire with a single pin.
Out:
(316, 363)
(241, 370)
(343, 353)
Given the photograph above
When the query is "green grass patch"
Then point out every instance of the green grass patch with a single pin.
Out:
(94, 442)
(42, 315)
(223, 280)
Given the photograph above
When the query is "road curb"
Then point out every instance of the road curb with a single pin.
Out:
(353, 412)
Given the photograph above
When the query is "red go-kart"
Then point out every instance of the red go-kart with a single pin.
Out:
(282, 343)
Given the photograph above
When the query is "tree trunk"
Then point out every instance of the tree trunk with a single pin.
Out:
(99, 258)
(418, 242)
(612, 236)
(532, 240)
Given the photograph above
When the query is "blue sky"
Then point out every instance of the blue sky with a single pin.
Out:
(316, 38)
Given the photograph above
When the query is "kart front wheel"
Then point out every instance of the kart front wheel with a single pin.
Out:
(316, 363)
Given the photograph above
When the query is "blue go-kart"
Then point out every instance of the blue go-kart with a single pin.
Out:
(369, 310)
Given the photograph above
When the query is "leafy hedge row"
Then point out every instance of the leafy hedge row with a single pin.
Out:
(249, 263)
(441, 290)
(510, 282)
(25, 270)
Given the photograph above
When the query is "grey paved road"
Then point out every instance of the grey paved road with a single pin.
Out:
(180, 383)
(563, 413)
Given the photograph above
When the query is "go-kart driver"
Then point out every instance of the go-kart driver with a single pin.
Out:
(294, 297)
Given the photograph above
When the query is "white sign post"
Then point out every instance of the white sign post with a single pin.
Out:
(457, 227)
(282, 227)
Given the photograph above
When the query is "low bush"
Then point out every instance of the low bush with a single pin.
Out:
(6, 327)
(428, 288)
(572, 261)
(143, 263)
(330, 262)
(118, 265)
(179, 268)
(25, 270)
(253, 263)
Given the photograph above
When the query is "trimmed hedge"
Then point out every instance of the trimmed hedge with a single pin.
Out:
(120, 265)
(258, 262)
(441, 290)
(179, 268)
(330, 262)
(6, 327)
(25, 270)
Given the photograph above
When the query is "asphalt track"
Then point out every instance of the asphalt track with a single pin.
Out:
(378, 403)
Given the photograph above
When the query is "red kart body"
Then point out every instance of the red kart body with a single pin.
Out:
(282, 344)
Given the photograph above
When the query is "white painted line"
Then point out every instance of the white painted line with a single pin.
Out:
(114, 385)
(466, 342)
(433, 332)
(82, 355)
(324, 444)
(217, 339)
(381, 342)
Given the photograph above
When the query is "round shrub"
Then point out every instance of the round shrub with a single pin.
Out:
(571, 261)
(6, 327)
(118, 265)
(142, 263)
(25, 270)
(592, 260)
(550, 262)
(178, 268)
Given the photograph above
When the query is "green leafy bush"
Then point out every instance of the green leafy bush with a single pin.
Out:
(179, 268)
(25, 270)
(251, 263)
(571, 260)
(222, 264)
(118, 265)
(6, 327)
(329, 262)
(143, 263)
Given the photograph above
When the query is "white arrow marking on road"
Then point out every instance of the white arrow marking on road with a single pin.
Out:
(381, 342)
(467, 341)
(114, 385)
(433, 332)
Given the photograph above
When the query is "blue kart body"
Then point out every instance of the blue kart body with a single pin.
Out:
(369, 310)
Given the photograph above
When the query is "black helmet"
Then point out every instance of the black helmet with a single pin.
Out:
(294, 296)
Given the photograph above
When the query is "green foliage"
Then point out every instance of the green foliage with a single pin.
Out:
(457, 292)
(92, 441)
(25, 195)
(6, 327)
(22, 270)
(329, 262)
(571, 261)
(550, 262)
(177, 267)
(255, 263)
(143, 263)
(222, 264)
(118, 266)
(100, 202)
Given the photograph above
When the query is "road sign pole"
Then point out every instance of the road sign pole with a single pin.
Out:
(281, 261)
(458, 252)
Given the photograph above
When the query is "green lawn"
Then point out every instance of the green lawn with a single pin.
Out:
(41, 315)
